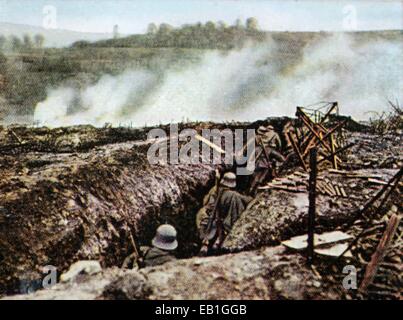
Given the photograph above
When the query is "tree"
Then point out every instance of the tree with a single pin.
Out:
(16, 43)
(165, 28)
(252, 24)
(3, 61)
(210, 25)
(238, 24)
(152, 28)
(27, 41)
(3, 42)
(115, 31)
(222, 25)
(81, 44)
(39, 40)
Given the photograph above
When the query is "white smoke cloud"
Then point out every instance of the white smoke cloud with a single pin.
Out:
(245, 84)
(97, 104)
(360, 77)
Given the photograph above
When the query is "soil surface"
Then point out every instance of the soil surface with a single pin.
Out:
(79, 193)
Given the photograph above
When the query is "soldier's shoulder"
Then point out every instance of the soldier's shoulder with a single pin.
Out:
(230, 193)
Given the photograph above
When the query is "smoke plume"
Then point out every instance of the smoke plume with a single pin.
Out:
(247, 84)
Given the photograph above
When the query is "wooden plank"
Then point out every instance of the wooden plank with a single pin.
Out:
(301, 242)
(330, 187)
(333, 155)
(380, 252)
(323, 190)
(381, 182)
(343, 192)
(209, 143)
(15, 136)
(338, 192)
(334, 251)
(297, 151)
(284, 188)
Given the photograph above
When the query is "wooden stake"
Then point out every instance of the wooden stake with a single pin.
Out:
(297, 151)
(333, 146)
(16, 136)
(312, 204)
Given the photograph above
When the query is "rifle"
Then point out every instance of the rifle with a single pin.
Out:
(214, 217)
(214, 213)
(260, 142)
(135, 255)
(136, 251)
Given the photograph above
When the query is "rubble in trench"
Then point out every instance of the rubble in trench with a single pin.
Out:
(276, 215)
(102, 220)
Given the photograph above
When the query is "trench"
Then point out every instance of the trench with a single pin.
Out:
(82, 204)
(85, 204)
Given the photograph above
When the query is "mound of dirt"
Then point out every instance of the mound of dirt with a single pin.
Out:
(277, 215)
(65, 207)
(270, 273)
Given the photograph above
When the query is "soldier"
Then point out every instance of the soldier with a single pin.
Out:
(202, 217)
(268, 156)
(270, 137)
(164, 243)
(228, 206)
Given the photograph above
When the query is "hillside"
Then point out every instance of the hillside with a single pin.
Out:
(53, 38)
(27, 77)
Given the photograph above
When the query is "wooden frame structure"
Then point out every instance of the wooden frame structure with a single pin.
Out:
(314, 131)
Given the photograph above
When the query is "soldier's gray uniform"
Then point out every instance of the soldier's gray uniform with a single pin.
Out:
(155, 256)
(270, 138)
(265, 167)
(229, 207)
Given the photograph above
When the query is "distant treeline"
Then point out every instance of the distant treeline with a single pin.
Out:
(17, 44)
(210, 35)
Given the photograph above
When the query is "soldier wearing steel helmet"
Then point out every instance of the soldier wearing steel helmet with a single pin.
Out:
(227, 207)
(163, 245)
(162, 250)
(270, 137)
(267, 155)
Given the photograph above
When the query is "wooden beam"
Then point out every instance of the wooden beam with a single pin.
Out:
(380, 252)
(334, 105)
(297, 151)
(336, 152)
(333, 155)
(309, 124)
(312, 204)
(209, 143)
(329, 132)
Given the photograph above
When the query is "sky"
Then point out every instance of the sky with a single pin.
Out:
(133, 16)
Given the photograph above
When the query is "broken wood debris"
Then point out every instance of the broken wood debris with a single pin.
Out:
(298, 182)
(326, 244)
(380, 252)
(316, 133)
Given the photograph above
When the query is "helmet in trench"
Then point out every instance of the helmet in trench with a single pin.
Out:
(165, 238)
